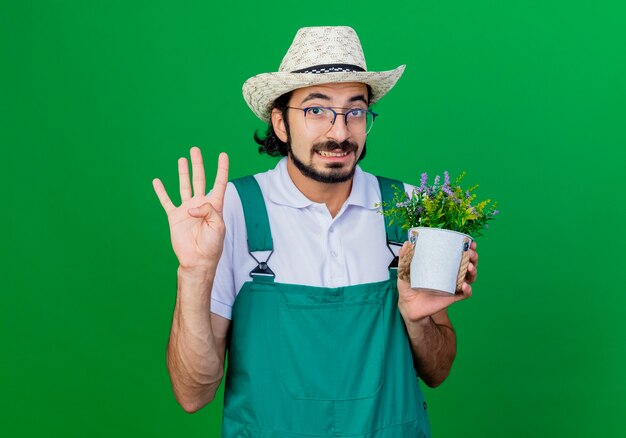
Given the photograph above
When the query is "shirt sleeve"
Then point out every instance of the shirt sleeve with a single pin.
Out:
(223, 293)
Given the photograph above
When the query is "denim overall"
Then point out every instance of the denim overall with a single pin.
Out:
(309, 361)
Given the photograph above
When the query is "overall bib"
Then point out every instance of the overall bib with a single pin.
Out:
(309, 361)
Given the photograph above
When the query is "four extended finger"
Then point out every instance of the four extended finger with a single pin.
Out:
(197, 167)
(165, 200)
(221, 181)
(183, 177)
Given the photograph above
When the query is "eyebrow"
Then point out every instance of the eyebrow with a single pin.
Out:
(315, 96)
(312, 96)
(360, 97)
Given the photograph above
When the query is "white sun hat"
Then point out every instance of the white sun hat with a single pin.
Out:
(317, 55)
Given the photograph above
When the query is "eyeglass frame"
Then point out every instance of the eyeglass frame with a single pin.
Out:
(335, 114)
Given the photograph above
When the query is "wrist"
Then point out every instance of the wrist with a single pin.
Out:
(194, 289)
(417, 327)
(196, 274)
(412, 313)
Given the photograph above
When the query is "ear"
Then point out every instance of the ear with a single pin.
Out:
(278, 123)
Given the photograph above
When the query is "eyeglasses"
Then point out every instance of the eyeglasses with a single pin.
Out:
(320, 119)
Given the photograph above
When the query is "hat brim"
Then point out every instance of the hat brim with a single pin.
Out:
(261, 90)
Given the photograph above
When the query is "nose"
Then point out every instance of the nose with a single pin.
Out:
(339, 130)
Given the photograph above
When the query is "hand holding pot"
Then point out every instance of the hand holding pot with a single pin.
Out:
(415, 304)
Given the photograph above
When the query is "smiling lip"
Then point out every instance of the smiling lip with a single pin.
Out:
(336, 154)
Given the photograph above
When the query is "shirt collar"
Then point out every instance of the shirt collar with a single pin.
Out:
(284, 192)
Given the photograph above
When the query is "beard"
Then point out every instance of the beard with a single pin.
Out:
(334, 171)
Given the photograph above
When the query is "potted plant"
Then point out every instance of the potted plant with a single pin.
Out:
(442, 220)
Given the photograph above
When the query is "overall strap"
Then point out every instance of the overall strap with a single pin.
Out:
(257, 221)
(395, 233)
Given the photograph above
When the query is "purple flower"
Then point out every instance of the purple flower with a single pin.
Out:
(495, 212)
(446, 178)
(467, 194)
(419, 210)
(447, 190)
(437, 178)
(424, 180)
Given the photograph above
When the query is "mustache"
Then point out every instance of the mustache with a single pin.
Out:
(329, 146)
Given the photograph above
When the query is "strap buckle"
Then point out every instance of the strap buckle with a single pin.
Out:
(396, 259)
(262, 268)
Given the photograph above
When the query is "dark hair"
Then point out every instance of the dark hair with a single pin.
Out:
(274, 146)
(271, 144)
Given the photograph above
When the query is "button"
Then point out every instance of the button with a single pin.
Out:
(424, 405)
(333, 253)
(331, 229)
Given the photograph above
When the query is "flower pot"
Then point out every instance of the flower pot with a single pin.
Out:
(440, 260)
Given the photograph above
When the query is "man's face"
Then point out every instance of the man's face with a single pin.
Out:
(326, 155)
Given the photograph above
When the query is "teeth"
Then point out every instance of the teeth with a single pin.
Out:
(332, 154)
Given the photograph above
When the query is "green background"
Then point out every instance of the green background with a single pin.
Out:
(98, 98)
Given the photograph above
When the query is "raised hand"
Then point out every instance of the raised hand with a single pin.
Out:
(196, 226)
(415, 305)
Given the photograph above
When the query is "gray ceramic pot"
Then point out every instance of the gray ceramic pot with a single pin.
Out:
(436, 265)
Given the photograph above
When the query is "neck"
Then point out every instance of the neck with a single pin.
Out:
(333, 195)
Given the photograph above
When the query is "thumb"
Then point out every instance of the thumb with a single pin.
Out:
(202, 211)
(404, 249)
(404, 264)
